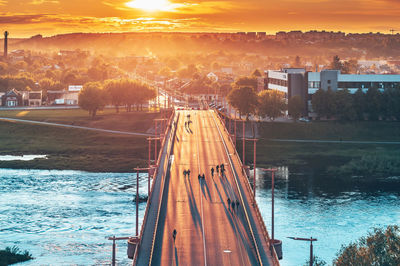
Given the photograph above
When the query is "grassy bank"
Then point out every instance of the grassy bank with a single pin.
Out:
(331, 158)
(107, 119)
(76, 149)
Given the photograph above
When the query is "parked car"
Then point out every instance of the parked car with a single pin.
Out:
(304, 119)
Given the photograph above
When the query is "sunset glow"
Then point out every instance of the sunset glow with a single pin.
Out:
(152, 5)
(50, 17)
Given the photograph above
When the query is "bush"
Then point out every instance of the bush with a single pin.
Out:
(13, 255)
(380, 247)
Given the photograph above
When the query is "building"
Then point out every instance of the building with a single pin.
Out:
(290, 81)
(297, 81)
(62, 97)
(12, 98)
(35, 98)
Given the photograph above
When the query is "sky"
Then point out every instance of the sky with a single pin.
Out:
(25, 18)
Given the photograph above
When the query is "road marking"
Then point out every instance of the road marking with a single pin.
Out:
(201, 198)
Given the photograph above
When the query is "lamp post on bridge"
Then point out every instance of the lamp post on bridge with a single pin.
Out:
(311, 246)
(274, 242)
(254, 163)
(137, 169)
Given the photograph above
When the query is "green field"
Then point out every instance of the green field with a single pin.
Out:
(332, 158)
(76, 149)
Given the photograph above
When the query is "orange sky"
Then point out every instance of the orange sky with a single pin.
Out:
(24, 18)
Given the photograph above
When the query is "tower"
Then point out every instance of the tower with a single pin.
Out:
(5, 44)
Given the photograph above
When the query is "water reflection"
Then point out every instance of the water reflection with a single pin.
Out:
(309, 203)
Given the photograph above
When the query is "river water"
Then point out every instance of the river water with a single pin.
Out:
(64, 217)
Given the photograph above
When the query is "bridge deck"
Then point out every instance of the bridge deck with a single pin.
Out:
(209, 231)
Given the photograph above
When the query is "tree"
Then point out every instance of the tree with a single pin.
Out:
(344, 105)
(374, 103)
(247, 82)
(359, 104)
(92, 98)
(256, 73)
(115, 92)
(336, 64)
(391, 98)
(297, 61)
(271, 103)
(295, 107)
(323, 103)
(243, 99)
(380, 247)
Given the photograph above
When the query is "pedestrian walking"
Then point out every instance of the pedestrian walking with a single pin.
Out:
(199, 177)
(185, 123)
(184, 173)
(188, 173)
(217, 167)
(237, 205)
(203, 176)
(229, 203)
(174, 234)
(222, 167)
(212, 171)
(233, 205)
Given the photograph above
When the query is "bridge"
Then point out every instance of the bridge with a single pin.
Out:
(209, 230)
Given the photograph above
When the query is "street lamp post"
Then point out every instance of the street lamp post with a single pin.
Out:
(254, 164)
(311, 246)
(272, 170)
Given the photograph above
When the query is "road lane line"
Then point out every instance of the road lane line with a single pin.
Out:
(201, 196)
(235, 175)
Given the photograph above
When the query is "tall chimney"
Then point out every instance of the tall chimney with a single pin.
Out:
(5, 44)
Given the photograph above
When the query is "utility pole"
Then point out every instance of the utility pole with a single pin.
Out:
(6, 44)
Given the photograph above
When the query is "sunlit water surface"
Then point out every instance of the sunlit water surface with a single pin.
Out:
(308, 205)
(64, 217)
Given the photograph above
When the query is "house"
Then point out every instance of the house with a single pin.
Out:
(35, 98)
(62, 97)
(12, 98)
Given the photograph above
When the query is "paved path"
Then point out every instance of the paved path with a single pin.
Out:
(13, 120)
(336, 141)
(209, 232)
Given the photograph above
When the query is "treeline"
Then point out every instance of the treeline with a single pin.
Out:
(124, 92)
(267, 103)
(372, 105)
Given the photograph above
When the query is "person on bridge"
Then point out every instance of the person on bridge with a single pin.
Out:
(212, 171)
(229, 203)
(174, 234)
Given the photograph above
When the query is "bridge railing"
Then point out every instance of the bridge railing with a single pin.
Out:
(171, 140)
(250, 190)
(155, 173)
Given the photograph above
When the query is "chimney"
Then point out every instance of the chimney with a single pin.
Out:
(5, 44)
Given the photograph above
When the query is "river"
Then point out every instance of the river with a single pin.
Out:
(64, 217)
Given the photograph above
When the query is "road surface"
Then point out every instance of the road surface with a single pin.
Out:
(208, 231)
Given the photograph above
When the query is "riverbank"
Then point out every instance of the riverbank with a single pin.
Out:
(76, 149)
(341, 157)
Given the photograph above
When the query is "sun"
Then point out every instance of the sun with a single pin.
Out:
(152, 5)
